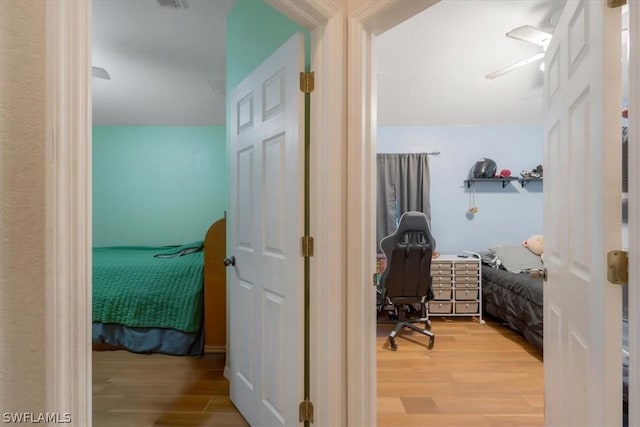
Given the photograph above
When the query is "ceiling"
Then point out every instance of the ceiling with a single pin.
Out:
(167, 65)
(431, 68)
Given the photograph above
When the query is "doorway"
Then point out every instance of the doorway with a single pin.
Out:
(433, 97)
(408, 77)
(159, 181)
(248, 21)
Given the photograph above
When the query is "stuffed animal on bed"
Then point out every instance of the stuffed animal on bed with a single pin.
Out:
(535, 244)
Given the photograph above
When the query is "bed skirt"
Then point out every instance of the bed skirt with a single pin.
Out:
(149, 340)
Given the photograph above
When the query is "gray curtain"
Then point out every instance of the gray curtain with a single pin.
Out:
(403, 185)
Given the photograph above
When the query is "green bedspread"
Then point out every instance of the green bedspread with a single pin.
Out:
(133, 288)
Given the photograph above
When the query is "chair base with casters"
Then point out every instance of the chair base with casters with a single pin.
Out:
(401, 321)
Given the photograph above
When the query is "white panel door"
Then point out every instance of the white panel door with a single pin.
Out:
(582, 218)
(265, 225)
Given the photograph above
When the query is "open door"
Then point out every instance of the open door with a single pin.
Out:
(582, 195)
(266, 221)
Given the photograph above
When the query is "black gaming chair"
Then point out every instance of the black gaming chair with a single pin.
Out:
(406, 280)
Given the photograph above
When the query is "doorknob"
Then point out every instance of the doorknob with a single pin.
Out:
(536, 274)
(230, 261)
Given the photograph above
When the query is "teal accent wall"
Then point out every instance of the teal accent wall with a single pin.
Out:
(157, 185)
(254, 31)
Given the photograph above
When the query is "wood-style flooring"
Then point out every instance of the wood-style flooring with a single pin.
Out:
(136, 390)
(476, 375)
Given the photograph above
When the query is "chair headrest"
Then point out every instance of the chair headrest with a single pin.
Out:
(410, 221)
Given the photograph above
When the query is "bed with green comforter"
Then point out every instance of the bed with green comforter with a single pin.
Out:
(149, 299)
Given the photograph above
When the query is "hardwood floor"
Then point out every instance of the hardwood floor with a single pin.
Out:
(134, 390)
(476, 375)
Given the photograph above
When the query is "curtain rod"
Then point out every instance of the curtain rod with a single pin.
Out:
(433, 153)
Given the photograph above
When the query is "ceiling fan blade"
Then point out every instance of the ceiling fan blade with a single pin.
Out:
(100, 73)
(531, 34)
(515, 66)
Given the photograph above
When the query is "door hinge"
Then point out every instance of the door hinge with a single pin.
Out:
(307, 246)
(306, 411)
(618, 267)
(307, 82)
(616, 3)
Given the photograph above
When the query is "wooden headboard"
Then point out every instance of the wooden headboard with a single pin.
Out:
(215, 288)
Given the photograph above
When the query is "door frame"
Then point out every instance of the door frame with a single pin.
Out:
(364, 23)
(68, 193)
(634, 211)
(342, 193)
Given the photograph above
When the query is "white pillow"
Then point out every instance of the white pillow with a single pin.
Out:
(517, 258)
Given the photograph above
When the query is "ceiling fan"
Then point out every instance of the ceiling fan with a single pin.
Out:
(529, 34)
(100, 73)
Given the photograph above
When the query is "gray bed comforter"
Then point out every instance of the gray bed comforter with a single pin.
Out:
(516, 299)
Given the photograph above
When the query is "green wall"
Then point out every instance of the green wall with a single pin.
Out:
(157, 185)
(254, 31)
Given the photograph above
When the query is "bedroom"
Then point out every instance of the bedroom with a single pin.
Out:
(473, 118)
(160, 172)
(159, 186)
(65, 337)
(466, 215)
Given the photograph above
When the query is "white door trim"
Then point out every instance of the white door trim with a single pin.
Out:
(325, 21)
(68, 201)
(361, 322)
(68, 35)
(364, 23)
(634, 212)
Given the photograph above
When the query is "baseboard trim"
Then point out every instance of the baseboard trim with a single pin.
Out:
(215, 348)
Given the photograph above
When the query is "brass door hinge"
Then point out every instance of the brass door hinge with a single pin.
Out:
(618, 267)
(307, 246)
(616, 3)
(306, 411)
(307, 82)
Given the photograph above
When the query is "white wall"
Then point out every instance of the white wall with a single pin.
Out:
(507, 215)
(22, 206)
